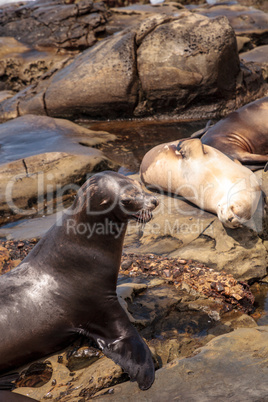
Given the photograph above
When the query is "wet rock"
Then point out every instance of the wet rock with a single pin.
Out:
(246, 21)
(259, 57)
(36, 375)
(75, 385)
(229, 366)
(82, 357)
(55, 23)
(241, 321)
(193, 277)
(119, 76)
(42, 158)
(22, 65)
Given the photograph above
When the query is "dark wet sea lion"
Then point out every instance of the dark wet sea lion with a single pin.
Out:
(6, 396)
(66, 286)
(204, 176)
(242, 135)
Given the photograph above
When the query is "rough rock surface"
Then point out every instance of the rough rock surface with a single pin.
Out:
(232, 366)
(42, 157)
(246, 21)
(190, 53)
(54, 23)
(22, 65)
(259, 57)
(120, 77)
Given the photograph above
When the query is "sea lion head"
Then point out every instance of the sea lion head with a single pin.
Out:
(114, 195)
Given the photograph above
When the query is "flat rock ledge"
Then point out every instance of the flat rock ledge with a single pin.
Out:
(45, 160)
(230, 367)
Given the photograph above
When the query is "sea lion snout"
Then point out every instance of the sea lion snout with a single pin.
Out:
(150, 202)
(233, 215)
(147, 205)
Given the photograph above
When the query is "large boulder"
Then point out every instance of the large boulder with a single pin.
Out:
(186, 59)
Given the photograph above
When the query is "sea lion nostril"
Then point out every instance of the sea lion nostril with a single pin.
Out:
(155, 202)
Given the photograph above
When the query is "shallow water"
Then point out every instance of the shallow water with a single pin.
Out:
(260, 291)
(135, 138)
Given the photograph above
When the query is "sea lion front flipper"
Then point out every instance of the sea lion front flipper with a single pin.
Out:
(134, 356)
(121, 342)
(7, 381)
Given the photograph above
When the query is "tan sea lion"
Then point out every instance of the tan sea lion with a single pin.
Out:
(242, 135)
(204, 176)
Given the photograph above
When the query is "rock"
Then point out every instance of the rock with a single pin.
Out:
(105, 78)
(22, 65)
(176, 58)
(55, 23)
(130, 16)
(160, 66)
(6, 95)
(230, 366)
(81, 383)
(195, 278)
(259, 57)
(246, 21)
(260, 4)
(243, 42)
(42, 158)
(242, 321)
